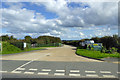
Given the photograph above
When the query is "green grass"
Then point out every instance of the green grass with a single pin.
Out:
(31, 49)
(95, 54)
(7, 48)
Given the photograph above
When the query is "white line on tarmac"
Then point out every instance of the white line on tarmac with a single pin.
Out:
(3, 71)
(33, 69)
(74, 74)
(42, 73)
(90, 71)
(118, 72)
(46, 70)
(24, 65)
(74, 71)
(28, 72)
(109, 76)
(105, 72)
(16, 72)
(59, 74)
(91, 75)
(60, 70)
(20, 68)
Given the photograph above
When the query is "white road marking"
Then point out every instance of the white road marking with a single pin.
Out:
(74, 71)
(46, 70)
(74, 74)
(42, 73)
(91, 75)
(109, 76)
(60, 70)
(33, 69)
(20, 68)
(118, 72)
(3, 71)
(28, 72)
(59, 74)
(90, 71)
(24, 65)
(16, 72)
(105, 72)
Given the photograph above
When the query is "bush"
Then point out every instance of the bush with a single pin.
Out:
(48, 45)
(92, 48)
(8, 48)
(118, 50)
(103, 50)
(113, 50)
(80, 47)
(18, 44)
(108, 51)
(28, 45)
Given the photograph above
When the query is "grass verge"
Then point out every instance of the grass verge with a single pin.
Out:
(7, 48)
(95, 54)
(12, 52)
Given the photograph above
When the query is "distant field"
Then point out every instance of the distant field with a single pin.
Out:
(95, 54)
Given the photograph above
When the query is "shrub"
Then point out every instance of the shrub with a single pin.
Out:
(18, 44)
(8, 48)
(103, 50)
(80, 47)
(113, 50)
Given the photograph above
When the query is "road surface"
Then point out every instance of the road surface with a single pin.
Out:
(56, 62)
(65, 53)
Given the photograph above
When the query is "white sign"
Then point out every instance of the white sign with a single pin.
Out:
(25, 45)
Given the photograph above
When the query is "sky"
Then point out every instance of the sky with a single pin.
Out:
(59, 18)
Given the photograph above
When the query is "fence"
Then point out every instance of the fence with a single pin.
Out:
(21, 45)
(47, 45)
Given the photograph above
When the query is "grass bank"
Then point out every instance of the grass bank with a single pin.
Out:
(7, 48)
(95, 54)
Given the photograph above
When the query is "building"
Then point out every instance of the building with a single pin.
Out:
(90, 43)
(86, 42)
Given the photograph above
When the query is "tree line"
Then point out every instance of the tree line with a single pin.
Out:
(107, 41)
(29, 39)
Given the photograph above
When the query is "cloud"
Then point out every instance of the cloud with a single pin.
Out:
(81, 34)
(98, 13)
(18, 19)
(27, 21)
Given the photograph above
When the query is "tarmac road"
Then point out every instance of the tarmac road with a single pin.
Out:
(65, 53)
(59, 62)
(58, 69)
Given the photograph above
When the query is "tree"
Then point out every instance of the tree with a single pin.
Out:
(108, 42)
(48, 39)
(5, 38)
(96, 39)
(28, 39)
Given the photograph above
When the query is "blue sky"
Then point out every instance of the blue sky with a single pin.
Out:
(40, 9)
(67, 20)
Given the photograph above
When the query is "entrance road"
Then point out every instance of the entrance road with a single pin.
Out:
(65, 53)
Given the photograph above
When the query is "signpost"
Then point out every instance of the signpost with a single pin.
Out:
(25, 45)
